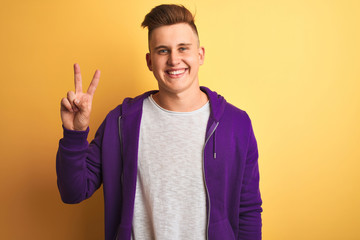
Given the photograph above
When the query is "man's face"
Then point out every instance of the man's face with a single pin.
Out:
(175, 57)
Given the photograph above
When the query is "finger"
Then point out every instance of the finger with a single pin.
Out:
(65, 104)
(72, 97)
(77, 78)
(94, 83)
(79, 105)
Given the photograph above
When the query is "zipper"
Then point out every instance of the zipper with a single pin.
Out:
(121, 150)
(122, 167)
(207, 190)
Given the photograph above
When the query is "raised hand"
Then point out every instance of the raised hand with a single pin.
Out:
(76, 107)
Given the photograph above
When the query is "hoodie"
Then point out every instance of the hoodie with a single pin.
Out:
(230, 158)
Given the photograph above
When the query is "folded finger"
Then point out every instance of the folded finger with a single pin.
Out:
(72, 97)
(65, 104)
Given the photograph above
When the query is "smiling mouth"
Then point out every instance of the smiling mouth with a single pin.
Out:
(176, 73)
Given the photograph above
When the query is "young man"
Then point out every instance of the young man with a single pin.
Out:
(177, 163)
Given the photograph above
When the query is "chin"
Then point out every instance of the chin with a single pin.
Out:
(176, 88)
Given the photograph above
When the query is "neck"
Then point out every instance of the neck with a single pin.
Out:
(186, 101)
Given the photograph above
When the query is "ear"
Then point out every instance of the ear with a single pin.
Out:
(201, 55)
(148, 61)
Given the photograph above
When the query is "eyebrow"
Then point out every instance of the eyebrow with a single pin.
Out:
(179, 45)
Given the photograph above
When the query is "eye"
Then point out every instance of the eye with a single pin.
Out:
(182, 49)
(163, 51)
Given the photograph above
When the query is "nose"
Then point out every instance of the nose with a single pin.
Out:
(174, 59)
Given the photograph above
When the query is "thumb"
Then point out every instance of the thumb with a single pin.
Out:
(77, 104)
(83, 104)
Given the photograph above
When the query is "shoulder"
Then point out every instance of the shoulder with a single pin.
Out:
(237, 124)
(116, 112)
(237, 115)
(129, 105)
(221, 109)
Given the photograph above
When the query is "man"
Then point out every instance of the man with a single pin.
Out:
(177, 163)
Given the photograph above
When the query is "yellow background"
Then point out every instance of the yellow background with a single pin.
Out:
(294, 66)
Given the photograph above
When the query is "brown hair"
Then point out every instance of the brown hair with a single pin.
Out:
(168, 14)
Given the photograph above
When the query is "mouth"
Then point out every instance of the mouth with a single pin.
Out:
(176, 73)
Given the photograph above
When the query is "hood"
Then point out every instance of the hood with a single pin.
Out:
(217, 103)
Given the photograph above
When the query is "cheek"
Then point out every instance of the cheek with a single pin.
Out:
(191, 59)
(158, 62)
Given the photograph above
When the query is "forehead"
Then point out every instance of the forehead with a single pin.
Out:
(170, 35)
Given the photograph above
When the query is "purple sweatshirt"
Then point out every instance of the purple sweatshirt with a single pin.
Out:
(230, 168)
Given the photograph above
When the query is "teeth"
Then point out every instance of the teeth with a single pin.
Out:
(176, 72)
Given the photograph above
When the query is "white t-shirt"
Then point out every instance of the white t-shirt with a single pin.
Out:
(170, 200)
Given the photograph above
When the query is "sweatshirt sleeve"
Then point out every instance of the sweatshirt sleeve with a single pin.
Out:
(78, 165)
(250, 208)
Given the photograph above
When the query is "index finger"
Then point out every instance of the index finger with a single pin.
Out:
(94, 83)
(77, 78)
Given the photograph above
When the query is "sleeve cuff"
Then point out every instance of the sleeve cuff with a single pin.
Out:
(74, 138)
